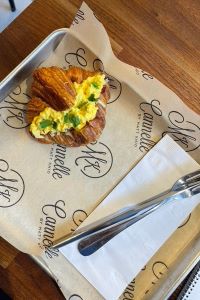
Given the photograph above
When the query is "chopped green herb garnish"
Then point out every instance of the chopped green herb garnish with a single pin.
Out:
(95, 85)
(55, 125)
(81, 104)
(66, 118)
(45, 123)
(92, 98)
(74, 120)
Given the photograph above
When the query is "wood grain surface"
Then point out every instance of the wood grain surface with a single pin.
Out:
(161, 37)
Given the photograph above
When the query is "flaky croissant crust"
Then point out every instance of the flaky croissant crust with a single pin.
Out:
(54, 87)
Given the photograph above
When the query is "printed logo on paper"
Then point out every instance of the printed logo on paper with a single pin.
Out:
(150, 118)
(184, 132)
(78, 217)
(129, 292)
(75, 297)
(95, 160)
(80, 16)
(51, 214)
(13, 109)
(159, 268)
(145, 75)
(12, 185)
(185, 222)
(57, 167)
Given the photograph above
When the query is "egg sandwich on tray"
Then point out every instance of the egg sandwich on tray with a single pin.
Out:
(67, 107)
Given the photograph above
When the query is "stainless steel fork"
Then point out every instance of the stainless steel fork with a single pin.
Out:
(97, 234)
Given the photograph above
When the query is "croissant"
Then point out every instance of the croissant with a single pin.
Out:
(75, 116)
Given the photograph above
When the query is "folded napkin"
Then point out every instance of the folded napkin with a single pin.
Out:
(113, 266)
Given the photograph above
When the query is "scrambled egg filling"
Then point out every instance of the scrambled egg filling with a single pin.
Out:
(83, 111)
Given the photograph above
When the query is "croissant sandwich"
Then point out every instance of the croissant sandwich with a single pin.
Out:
(67, 107)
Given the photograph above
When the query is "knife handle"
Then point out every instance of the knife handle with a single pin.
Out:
(91, 244)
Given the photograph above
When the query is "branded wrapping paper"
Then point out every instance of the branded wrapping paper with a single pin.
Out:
(45, 191)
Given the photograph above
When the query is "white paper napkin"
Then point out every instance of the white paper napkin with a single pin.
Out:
(113, 266)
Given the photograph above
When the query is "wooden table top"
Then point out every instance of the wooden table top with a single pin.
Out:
(161, 37)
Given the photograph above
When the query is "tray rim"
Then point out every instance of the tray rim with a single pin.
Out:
(28, 58)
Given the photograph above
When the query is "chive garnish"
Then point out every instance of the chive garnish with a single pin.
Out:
(95, 85)
(81, 104)
(92, 98)
(55, 125)
(74, 120)
(66, 118)
(45, 123)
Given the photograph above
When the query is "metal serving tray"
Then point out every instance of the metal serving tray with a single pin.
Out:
(31, 62)
(191, 256)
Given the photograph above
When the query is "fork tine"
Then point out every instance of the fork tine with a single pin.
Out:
(186, 180)
(195, 189)
(194, 176)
